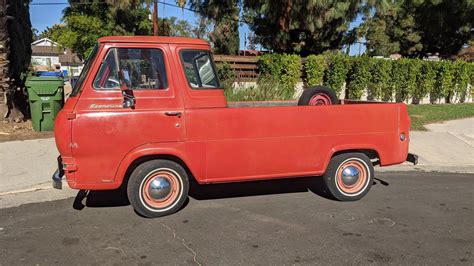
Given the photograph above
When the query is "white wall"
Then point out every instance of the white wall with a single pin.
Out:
(72, 70)
(43, 60)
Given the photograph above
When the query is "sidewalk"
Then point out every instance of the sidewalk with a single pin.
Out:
(27, 166)
(446, 147)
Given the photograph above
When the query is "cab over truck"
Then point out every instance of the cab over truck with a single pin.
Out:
(149, 113)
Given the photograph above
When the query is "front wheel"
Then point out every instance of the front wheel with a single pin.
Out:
(349, 176)
(158, 188)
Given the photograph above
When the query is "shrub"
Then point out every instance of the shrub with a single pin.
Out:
(446, 81)
(400, 78)
(283, 68)
(426, 81)
(314, 67)
(225, 71)
(337, 72)
(414, 77)
(379, 84)
(461, 75)
(267, 89)
(359, 77)
(226, 75)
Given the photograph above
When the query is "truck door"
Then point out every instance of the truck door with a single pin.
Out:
(103, 130)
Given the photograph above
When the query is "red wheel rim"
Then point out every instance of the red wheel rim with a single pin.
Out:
(320, 99)
(164, 202)
(357, 186)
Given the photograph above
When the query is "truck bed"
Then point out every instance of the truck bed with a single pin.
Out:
(291, 103)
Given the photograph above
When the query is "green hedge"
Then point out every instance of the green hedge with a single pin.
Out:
(315, 67)
(283, 68)
(403, 80)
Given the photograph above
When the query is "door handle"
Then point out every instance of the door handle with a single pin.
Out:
(173, 113)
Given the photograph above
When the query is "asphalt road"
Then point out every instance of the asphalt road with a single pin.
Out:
(407, 218)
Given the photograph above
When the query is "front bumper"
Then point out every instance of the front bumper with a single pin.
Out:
(58, 175)
(412, 158)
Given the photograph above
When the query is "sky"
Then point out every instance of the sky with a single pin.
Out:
(43, 16)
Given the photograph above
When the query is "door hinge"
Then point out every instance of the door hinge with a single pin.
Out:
(71, 116)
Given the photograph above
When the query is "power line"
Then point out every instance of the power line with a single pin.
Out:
(63, 3)
(159, 2)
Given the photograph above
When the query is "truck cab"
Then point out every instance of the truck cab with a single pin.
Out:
(149, 113)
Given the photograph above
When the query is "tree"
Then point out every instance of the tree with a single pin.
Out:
(225, 35)
(416, 28)
(175, 27)
(15, 56)
(201, 30)
(85, 23)
(252, 41)
(303, 27)
(391, 30)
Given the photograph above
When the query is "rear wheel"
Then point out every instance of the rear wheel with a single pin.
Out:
(158, 188)
(349, 176)
(318, 95)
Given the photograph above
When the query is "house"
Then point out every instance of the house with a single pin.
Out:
(49, 55)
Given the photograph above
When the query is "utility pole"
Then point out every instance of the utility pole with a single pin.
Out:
(155, 17)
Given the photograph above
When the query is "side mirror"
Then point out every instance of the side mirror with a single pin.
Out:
(127, 93)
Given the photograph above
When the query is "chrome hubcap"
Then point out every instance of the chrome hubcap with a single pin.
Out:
(159, 188)
(350, 175)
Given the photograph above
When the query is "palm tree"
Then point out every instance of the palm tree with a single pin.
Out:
(15, 56)
(4, 63)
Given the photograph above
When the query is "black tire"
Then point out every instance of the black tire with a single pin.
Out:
(328, 96)
(346, 187)
(171, 186)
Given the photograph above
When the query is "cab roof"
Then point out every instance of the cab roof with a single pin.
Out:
(152, 39)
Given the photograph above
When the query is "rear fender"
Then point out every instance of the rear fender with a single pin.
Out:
(348, 148)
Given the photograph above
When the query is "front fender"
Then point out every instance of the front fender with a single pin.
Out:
(175, 149)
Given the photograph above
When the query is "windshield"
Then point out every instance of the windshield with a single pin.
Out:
(84, 72)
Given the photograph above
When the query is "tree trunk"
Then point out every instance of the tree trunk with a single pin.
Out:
(9, 110)
(4, 47)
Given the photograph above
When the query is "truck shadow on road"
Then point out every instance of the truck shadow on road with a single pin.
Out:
(117, 198)
(258, 188)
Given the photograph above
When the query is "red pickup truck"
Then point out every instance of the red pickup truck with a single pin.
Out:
(149, 113)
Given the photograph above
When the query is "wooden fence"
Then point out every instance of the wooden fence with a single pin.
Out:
(245, 67)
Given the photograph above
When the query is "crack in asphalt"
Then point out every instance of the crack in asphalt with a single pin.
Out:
(185, 244)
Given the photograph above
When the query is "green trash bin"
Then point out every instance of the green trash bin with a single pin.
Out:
(46, 97)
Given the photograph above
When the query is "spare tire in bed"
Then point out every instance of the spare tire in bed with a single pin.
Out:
(318, 95)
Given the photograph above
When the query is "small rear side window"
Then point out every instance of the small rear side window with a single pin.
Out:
(199, 69)
(143, 69)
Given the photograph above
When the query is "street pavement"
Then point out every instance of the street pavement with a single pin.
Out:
(408, 218)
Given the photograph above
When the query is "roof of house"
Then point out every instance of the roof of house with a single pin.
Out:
(46, 50)
(153, 39)
(69, 58)
(45, 40)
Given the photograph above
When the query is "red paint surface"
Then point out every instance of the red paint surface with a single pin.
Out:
(216, 143)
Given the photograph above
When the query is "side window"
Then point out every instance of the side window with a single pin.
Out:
(199, 69)
(142, 68)
(107, 76)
